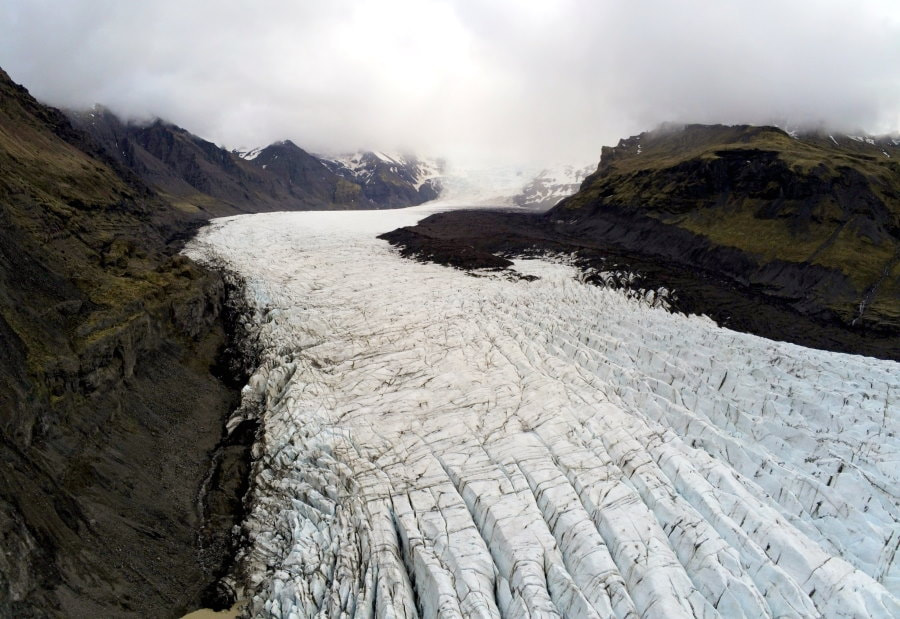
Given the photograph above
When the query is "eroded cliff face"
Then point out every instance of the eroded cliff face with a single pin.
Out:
(109, 409)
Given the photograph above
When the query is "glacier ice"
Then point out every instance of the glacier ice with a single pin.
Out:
(443, 445)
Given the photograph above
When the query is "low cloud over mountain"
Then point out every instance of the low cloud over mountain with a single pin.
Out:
(508, 80)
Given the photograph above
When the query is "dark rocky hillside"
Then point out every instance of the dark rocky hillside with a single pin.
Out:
(109, 411)
(198, 177)
(298, 168)
(793, 238)
(193, 174)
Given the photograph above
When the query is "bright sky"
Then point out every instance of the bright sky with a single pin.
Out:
(498, 80)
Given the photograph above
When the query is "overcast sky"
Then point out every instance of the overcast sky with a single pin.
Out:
(515, 80)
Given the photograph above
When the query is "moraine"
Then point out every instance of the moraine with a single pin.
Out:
(434, 443)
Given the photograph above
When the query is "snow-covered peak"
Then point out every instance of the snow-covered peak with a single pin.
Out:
(362, 166)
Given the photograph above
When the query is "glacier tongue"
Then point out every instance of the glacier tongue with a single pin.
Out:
(440, 444)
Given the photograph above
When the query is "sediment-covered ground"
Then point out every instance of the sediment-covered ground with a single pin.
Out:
(441, 443)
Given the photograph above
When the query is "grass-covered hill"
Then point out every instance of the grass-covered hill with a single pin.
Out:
(809, 220)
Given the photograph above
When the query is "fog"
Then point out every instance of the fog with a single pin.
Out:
(492, 81)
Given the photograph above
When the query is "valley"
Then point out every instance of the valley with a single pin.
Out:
(386, 385)
(493, 443)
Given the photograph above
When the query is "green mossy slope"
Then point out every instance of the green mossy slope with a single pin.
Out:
(814, 220)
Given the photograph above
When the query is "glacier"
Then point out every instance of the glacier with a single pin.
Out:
(440, 443)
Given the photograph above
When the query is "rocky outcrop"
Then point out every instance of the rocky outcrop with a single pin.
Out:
(110, 406)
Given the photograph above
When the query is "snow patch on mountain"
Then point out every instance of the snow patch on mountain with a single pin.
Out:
(553, 184)
(248, 153)
(364, 165)
(434, 443)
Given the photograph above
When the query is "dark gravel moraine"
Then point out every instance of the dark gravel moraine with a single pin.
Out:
(479, 239)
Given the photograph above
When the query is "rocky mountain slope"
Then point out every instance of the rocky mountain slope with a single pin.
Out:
(385, 178)
(795, 238)
(199, 177)
(110, 412)
(305, 172)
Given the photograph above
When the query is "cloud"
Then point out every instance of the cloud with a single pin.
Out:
(501, 80)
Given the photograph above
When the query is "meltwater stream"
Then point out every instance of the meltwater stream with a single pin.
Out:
(435, 443)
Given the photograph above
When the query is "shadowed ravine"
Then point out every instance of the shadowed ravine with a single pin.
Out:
(434, 442)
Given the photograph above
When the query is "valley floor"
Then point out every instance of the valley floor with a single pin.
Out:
(437, 442)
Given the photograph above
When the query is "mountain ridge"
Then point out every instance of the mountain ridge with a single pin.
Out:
(551, 186)
(201, 177)
(403, 178)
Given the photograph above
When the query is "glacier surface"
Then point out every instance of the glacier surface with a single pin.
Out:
(434, 443)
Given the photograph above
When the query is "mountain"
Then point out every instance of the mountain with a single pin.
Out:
(793, 237)
(362, 180)
(193, 174)
(299, 169)
(551, 185)
(110, 409)
(812, 220)
(199, 177)
(394, 179)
